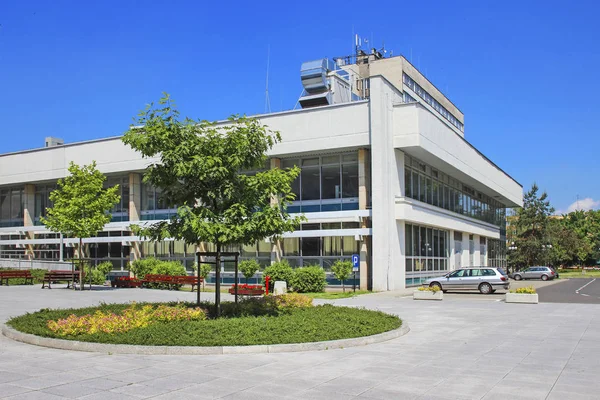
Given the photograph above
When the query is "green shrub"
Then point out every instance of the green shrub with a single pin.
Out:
(279, 271)
(172, 268)
(248, 268)
(288, 302)
(309, 279)
(205, 270)
(342, 270)
(105, 267)
(141, 268)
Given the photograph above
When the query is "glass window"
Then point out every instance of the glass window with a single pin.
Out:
(264, 249)
(407, 183)
(291, 246)
(311, 246)
(310, 182)
(350, 180)
(332, 246)
(331, 188)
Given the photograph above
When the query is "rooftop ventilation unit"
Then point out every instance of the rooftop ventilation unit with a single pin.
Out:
(323, 85)
(52, 142)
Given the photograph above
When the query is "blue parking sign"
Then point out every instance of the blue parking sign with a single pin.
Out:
(355, 262)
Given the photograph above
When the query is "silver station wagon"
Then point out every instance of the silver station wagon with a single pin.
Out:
(485, 279)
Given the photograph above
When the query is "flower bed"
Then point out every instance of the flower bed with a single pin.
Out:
(254, 321)
(247, 290)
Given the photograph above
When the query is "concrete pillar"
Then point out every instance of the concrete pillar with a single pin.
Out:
(465, 250)
(452, 249)
(135, 208)
(135, 196)
(276, 251)
(363, 202)
(477, 253)
(29, 216)
(385, 182)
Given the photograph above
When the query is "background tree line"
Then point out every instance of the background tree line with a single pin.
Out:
(537, 237)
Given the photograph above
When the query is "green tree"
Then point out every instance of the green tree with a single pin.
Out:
(248, 268)
(81, 205)
(586, 225)
(342, 270)
(530, 224)
(204, 170)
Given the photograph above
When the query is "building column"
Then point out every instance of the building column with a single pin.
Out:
(452, 249)
(29, 216)
(465, 250)
(276, 252)
(363, 201)
(477, 252)
(135, 207)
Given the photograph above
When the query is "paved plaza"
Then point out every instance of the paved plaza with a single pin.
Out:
(460, 348)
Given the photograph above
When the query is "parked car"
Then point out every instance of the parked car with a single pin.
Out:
(485, 279)
(537, 272)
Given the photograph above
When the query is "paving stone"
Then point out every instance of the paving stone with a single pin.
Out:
(464, 347)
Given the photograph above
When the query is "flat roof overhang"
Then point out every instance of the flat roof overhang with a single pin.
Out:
(419, 133)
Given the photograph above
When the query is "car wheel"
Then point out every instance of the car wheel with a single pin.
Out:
(432, 284)
(518, 277)
(485, 288)
(544, 277)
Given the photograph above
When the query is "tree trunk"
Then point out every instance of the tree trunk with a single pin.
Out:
(80, 264)
(218, 281)
(343, 286)
(236, 281)
(198, 287)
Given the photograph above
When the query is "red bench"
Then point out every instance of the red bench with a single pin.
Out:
(6, 275)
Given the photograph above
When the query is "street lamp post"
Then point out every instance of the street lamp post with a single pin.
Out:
(512, 247)
(547, 256)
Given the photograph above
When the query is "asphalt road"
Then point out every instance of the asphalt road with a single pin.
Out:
(571, 291)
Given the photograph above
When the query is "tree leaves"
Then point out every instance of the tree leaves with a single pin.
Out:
(214, 175)
(80, 203)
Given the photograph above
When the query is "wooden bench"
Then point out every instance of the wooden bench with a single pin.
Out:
(172, 280)
(6, 275)
(60, 276)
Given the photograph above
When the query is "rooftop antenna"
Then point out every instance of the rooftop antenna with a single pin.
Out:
(267, 100)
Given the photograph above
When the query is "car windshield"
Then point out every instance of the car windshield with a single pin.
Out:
(501, 271)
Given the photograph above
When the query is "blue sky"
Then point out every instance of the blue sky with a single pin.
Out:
(523, 72)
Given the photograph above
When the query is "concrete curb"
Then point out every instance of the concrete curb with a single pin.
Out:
(193, 350)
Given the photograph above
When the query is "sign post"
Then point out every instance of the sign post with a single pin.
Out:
(355, 267)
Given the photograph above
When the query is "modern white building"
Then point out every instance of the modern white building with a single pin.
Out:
(386, 173)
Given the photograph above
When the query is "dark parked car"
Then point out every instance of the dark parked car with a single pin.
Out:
(537, 272)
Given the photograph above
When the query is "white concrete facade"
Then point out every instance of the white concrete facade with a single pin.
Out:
(393, 132)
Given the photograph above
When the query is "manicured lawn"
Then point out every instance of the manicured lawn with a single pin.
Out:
(298, 325)
(336, 295)
(576, 273)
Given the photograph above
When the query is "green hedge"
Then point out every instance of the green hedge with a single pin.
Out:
(309, 279)
(141, 268)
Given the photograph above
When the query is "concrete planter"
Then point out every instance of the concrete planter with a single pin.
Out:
(521, 298)
(427, 295)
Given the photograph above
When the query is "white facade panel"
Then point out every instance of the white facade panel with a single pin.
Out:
(320, 129)
(422, 134)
